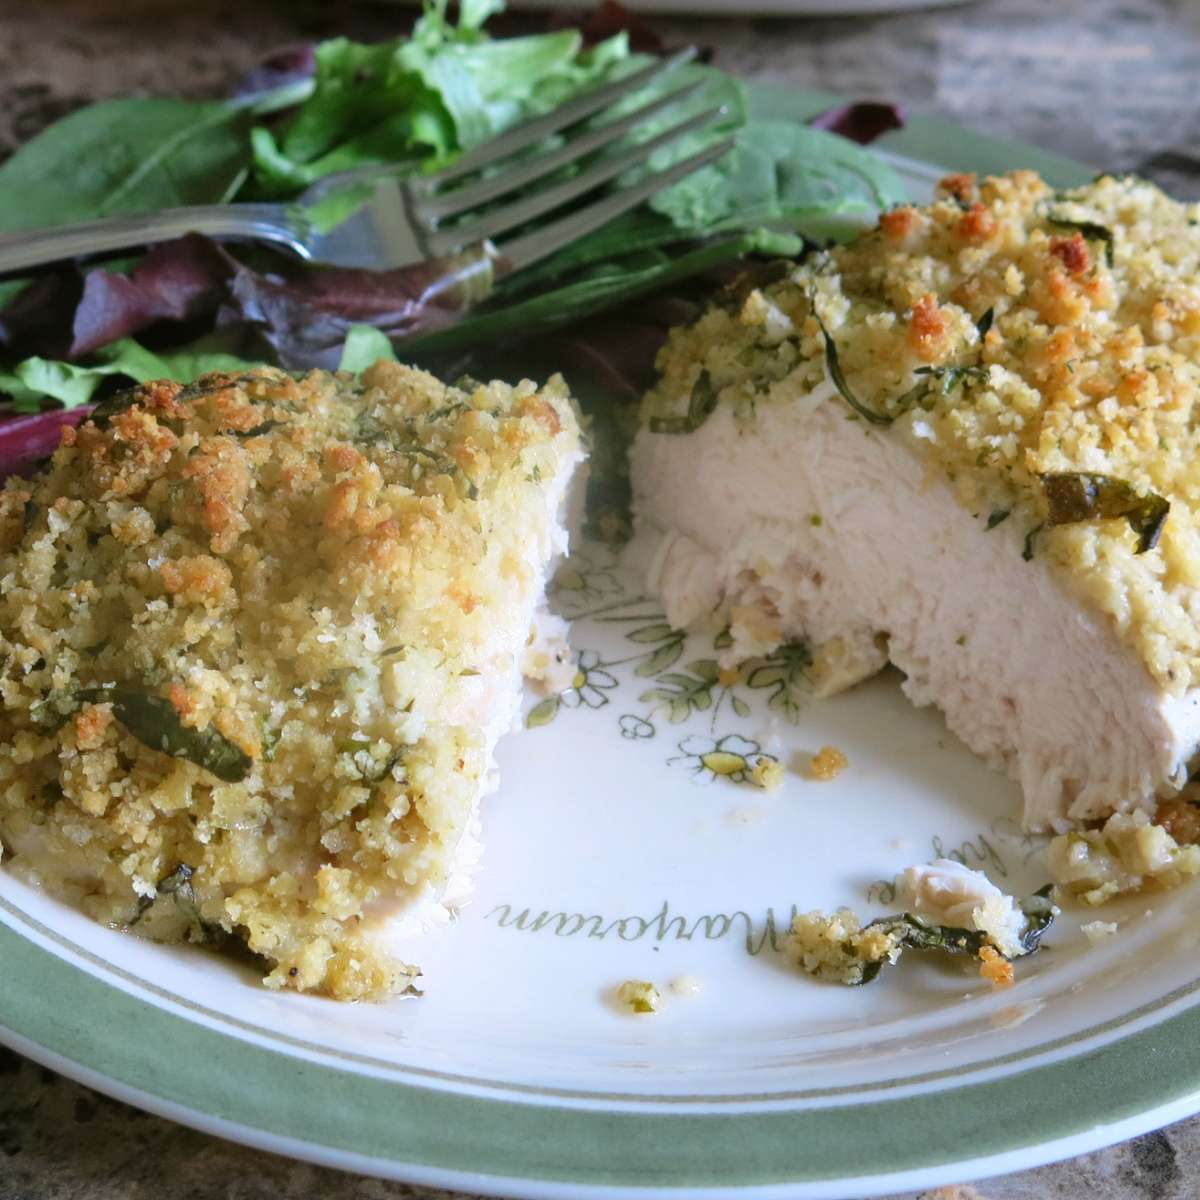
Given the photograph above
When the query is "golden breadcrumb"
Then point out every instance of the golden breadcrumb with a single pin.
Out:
(994, 967)
(828, 763)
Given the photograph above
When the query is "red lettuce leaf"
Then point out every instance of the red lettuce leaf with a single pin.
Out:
(606, 20)
(26, 441)
(862, 121)
(68, 315)
(305, 313)
(39, 318)
(292, 64)
(179, 280)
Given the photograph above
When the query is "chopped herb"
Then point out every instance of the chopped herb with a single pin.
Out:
(815, 519)
(392, 650)
(951, 377)
(1074, 496)
(155, 723)
(258, 430)
(701, 406)
(111, 405)
(178, 882)
(948, 379)
(1027, 551)
(985, 323)
(1091, 231)
(839, 380)
(998, 515)
(270, 739)
(29, 516)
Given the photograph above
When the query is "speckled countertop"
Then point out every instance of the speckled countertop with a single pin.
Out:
(1111, 82)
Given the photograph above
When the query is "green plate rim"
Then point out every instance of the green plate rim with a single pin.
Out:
(113, 1040)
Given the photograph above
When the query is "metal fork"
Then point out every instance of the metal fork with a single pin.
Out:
(422, 218)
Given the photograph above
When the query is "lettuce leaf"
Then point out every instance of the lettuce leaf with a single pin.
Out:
(34, 380)
(126, 156)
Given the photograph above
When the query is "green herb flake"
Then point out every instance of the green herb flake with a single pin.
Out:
(1074, 496)
(258, 430)
(996, 516)
(985, 323)
(1027, 549)
(950, 377)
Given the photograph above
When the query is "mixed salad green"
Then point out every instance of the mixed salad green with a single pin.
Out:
(421, 100)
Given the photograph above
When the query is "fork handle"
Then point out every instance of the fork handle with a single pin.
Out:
(40, 247)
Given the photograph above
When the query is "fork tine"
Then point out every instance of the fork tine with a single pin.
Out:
(442, 205)
(521, 252)
(531, 132)
(548, 199)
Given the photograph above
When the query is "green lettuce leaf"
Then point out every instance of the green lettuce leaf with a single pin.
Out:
(364, 346)
(33, 381)
(782, 171)
(126, 156)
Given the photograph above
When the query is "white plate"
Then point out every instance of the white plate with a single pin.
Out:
(615, 852)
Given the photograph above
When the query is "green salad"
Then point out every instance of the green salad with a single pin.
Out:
(418, 101)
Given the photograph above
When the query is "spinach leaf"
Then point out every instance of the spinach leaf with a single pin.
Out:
(779, 170)
(126, 156)
(701, 405)
(605, 286)
(156, 724)
(1073, 496)
(1040, 912)
(910, 932)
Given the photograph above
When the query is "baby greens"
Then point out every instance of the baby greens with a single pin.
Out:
(418, 101)
(1073, 496)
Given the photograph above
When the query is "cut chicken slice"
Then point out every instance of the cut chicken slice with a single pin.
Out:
(879, 437)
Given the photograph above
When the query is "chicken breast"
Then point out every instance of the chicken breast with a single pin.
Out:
(963, 444)
(258, 639)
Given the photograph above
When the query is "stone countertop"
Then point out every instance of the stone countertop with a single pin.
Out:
(1105, 81)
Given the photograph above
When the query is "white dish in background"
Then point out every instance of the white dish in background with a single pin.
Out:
(754, 8)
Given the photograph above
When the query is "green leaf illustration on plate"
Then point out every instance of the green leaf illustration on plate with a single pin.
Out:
(785, 672)
(681, 694)
(669, 649)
